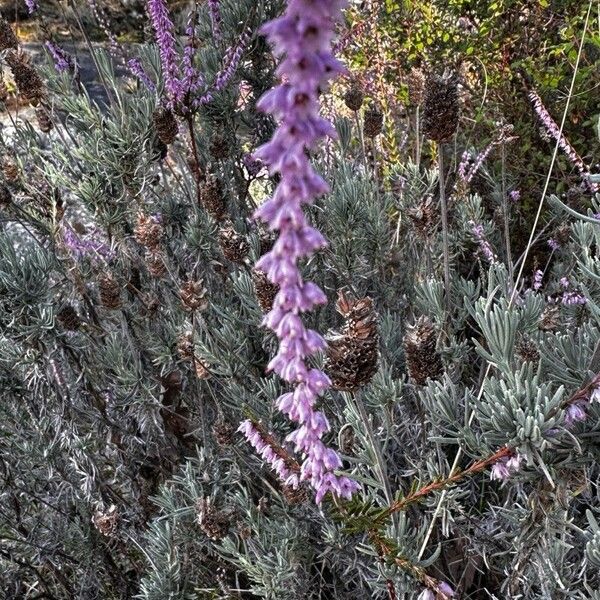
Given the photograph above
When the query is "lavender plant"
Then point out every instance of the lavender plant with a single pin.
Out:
(159, 244)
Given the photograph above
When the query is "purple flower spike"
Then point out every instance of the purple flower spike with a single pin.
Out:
(214, 9)
(31, 6)
(165, 39)
(63, 61)
(302, 38)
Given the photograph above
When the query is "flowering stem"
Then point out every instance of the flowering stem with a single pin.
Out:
(444, 210)
(434, 486)
(506, 211)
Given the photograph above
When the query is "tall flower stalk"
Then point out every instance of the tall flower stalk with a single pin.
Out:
(301, 38)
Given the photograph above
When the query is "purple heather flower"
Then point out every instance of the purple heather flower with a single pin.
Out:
(554, 131)
(505, 467)
(575, 413)
(88, 245)
(214, 10)
(302, 39)
(165, 38)
(137, 70)
(515, 196)
(31, 6)
(553, 244)
(262, 447)
(537, 279)
(445, 589)
(484, 245)
(100, 16)
(573, 299)
(63, 61)
(564, 282)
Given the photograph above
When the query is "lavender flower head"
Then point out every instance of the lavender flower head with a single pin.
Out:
(505, 467)
(63, 61)
(576, 413)
(31, 6)
(537, 279)
(165, 39)
(302, 39)
(515, 196)
(484, 246)
(214, 10)
(553, 244)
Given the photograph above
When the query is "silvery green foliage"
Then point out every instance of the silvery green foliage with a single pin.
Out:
(110, 414)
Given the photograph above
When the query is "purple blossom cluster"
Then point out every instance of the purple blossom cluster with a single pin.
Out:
(231, 62)
(268, 453)
(553, 244)
(31, 6)
(135, 68)
(577, 411)
(571, 297)
(214, 9)
(63, 61)
(484, 246)
(87, 245)
(302, 39)
(554, 131)
(443, 591)
(537, 279)
(505, 467)
(514, 196)
(165, 39)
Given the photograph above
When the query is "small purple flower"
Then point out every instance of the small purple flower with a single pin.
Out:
(553, 244)
(564, 282)
(505, 467)
(575, 413)
(445, 589)
(537, 279)
(515, 196)
(484, 245)
(63, 61)
(573, 299)
(31, 6)
(87, 245)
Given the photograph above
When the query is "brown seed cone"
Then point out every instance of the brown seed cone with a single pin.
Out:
(296, 496)
(214, 524)
(8, 39)
(10, 170)
(424, 217)
(68, 318)
(185, 346)
(352, 355)
(28, 81)
(155, 262)
(106, 522)
(441, 108)
(527, 350)
(550, 319)
(110, 291)
(192, 294)
(218, 147)
(5, 195)
(147, 232)
(373, 122)
(265, 290)
(202, 368)
(354, 97)
(422, 358)
(266, 241)
(165, 125)
(234, 246)
(43, 118)
(223, 432)
(212, 198)
(3, 90)
(416, 86)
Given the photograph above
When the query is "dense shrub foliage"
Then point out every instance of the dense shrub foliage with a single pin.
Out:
(271, 328)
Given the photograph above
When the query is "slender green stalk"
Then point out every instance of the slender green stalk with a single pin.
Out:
(444, 210)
